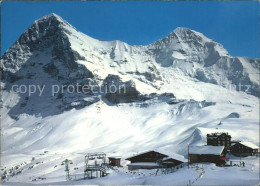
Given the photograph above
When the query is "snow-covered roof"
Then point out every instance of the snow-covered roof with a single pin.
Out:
(115, 157)
(249, 144)
(166, 153)
(207, 149)
(144, 164)
(176, 157)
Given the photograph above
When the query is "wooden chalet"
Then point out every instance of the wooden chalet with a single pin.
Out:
(207, 153)
(172, 161)
(114, 161)
(154, 159)
(219, 139)
(244, 149)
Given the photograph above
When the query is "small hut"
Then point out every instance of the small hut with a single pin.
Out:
(114, 160)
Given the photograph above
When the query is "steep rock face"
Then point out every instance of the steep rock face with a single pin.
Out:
(117, 91)
(45, 44)
(46, 34)
(43, 57)
(128, 94)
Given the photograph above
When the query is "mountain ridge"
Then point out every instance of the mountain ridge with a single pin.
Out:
(72, 56)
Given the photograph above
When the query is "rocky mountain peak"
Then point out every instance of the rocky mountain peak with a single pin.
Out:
(187, 34)
(48, 34)
(43, 33)
(49, 17)
(189, 42)
(52, 20)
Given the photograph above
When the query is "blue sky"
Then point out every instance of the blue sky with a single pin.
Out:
(233, 24)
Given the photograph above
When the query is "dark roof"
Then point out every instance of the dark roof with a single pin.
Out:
(114, 157)
(144, 152)
(247, 144)
(168, 155)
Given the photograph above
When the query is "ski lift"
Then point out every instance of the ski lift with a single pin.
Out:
(91, 158)
(100, 157)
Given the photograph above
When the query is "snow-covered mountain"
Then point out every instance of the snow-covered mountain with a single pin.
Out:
(177, 89)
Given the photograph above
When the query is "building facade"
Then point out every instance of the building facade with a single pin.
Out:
(219, 139)
(114, 161)
(154, 159)
(244, 149)
(212, 154)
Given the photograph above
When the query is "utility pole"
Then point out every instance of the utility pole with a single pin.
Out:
(240, 161)
(67, 169)
(86, 167)
(188, 157)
